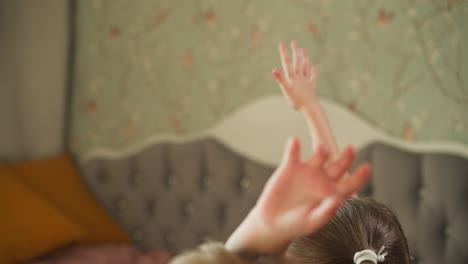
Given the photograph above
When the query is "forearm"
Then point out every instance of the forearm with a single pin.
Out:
(319, 126)
(320, 130)
(253, 235)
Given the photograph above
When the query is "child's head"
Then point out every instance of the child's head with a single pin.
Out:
(358, 225)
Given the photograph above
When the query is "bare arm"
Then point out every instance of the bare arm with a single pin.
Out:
(299, 197)
(298, 83)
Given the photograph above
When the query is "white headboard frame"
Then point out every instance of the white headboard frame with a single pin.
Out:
(259, 130)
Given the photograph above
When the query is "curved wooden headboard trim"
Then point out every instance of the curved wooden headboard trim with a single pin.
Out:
(259, 130)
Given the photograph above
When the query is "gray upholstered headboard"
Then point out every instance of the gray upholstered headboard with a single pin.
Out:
(429, 194)
(173, 196)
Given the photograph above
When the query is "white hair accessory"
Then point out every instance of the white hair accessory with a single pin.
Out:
(369, 255)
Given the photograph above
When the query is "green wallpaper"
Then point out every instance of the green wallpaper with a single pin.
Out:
(145, 67)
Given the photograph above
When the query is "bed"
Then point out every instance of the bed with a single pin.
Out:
(174, 192)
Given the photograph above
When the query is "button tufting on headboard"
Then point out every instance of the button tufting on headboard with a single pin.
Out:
(188, 208)
(136, 178)
(245, 183)
(170, 239)
(120, 205)
(171, 180)
(151, 207)
(138, 234)
(173, 195)
(178, 194)
(223, 214)
(205, 182)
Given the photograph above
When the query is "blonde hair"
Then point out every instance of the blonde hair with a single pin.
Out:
(215, 252)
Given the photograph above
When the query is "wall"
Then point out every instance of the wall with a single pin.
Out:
(144, 68)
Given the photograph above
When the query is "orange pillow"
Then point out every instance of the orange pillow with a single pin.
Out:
(29, 225)
(58, 180)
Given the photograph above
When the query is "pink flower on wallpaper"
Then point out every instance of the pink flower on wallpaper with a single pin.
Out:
(210, 17)
(408, 132)
(255, 37)
(176, 124)
(114, 33)
(188, 60)
(161, 17)
(353, 107)
(91, 107)
(384, 17)
(452, 3)
(313, 29)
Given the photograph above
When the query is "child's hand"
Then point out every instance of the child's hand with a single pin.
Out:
(299, 79)
(297, 200)
(300, 197)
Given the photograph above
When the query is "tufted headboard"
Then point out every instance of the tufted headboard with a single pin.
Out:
(174, 196)
(429, 194)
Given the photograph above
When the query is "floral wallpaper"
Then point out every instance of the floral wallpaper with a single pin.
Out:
(146, 67)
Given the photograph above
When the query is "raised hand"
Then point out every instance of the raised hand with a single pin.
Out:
(299, 79)
(291, 202)
(298, 199)
(298, 83)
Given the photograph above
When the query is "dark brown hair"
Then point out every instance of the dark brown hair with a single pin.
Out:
(358, 225)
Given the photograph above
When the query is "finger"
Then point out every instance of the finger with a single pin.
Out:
(319, 157)
(286, 60)
(281, 80)
(321, 214)
(292, 154)
(338, 168)
(313, 75)
(297, 63)
(305, 71)
(355, 181)
(305, 59)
